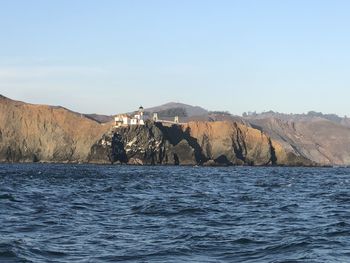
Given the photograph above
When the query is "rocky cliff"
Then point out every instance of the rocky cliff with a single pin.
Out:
(202, 143)
(44, 133)
(318, 139)
(31, 133)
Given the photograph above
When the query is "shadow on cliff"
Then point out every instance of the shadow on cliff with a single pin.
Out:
(273, 153)
(118, 152)
(174, 134)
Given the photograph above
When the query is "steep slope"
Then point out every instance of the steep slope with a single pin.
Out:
(30, 133)
(318, 139)
(44, 133)
(236, 143)
(208, 143)
(149, 144)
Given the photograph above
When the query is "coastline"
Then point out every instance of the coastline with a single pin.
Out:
(174, 165)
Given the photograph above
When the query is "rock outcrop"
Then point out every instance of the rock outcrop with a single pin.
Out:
(40, 133)
(30, 133)
(150, 144)
(317, 139)
(229, 142)
(195, 143)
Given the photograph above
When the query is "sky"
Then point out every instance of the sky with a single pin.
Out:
(110, 56)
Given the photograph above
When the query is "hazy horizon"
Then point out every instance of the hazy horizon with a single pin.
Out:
(249, 112)
(112, 56)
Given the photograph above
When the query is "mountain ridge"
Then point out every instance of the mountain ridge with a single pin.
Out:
(42, 133)
(30, 132)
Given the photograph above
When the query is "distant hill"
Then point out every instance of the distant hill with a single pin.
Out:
(173, 109)
(99, 117)
(310, 116)
(323, 138)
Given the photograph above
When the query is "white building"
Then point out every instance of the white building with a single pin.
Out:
(138, 119)
(155, 117)
(125, 120)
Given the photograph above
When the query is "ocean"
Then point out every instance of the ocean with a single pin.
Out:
(101, 213)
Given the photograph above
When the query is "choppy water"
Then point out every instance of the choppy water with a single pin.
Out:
(91, 213)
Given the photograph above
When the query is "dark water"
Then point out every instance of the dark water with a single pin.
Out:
(88, 213)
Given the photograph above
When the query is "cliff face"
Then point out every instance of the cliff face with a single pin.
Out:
(147, 144)
(232, 143)
(317, 139)
(207, 143)
(236, 143)
(30, 133)
(43, 133)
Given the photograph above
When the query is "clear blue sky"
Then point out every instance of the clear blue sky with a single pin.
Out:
(111, 56)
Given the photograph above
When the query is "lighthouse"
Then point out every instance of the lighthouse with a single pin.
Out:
(141, 111)
(125, 119)
(138, 117)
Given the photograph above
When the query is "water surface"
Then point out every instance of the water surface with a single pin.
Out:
(92, 213)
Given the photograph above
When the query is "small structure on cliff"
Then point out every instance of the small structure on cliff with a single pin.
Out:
(155, 116)
(139, 119)
(125, 119)
(171, 120)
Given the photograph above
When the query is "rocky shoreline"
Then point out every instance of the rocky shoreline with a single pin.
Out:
(51, 134)
(196, 143)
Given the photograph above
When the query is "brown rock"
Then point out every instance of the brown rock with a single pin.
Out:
(45, 133)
